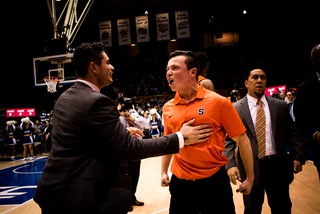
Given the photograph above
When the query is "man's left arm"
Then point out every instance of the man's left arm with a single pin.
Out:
(234, 127)
(247, 158)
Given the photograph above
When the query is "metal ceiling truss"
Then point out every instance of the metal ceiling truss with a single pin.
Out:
(72, 23)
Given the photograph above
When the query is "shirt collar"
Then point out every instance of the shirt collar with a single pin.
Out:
(199, 95)
(254, 100)
(91, 85)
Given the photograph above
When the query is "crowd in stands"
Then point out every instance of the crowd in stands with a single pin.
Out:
(143, 106)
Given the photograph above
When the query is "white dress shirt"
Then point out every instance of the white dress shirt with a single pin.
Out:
(91, 85)
(253, 107)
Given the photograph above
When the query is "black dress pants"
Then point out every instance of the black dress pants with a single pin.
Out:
(209, 195)
(276, 187)
(134, 166)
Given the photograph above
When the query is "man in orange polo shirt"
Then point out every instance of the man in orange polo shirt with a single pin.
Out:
(199, 183)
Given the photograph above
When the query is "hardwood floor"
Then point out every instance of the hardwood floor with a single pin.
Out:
(304, 193)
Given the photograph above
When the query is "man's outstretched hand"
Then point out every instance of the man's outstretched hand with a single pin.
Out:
(135, 132)
(195, 134)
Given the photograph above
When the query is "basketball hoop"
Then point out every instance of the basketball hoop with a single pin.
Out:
(51, 83)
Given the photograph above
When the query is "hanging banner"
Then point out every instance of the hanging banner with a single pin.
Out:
(105, 33)
(182, 24)
(163, 30)
(124, 31)
(142, 26)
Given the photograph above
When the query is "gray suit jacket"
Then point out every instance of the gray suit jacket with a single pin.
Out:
(87, 171)
(284, 135)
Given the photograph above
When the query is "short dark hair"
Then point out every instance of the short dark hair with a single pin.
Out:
(191, 59)
(85, 54)
(249, 72)
(202, 60)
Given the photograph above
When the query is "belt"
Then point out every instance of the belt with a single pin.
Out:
(269, 157)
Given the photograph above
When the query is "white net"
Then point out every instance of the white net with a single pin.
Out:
(51, 83)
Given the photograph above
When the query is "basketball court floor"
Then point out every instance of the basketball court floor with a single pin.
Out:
(18, 181)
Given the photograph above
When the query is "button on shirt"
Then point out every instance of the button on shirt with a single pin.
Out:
(253, 107)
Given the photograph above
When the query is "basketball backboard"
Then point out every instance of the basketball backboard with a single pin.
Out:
(60, 66)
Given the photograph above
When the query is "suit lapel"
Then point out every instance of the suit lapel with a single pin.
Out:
(273, 114)
(244, 109)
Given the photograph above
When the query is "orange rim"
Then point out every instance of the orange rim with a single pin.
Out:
(51, 78)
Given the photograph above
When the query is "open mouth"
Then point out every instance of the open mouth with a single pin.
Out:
(170, 82)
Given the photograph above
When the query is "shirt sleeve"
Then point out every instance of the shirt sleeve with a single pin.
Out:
(166, 130)
(140, 121)
(181, 140)
(231, 121)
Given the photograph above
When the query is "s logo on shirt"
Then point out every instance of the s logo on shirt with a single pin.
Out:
(201, 111)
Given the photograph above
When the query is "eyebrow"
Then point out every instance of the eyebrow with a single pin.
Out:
(256, 75)
(173, 65)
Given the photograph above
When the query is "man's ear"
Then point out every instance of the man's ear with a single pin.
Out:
(92, 67)
(246, 82)
(193, 72)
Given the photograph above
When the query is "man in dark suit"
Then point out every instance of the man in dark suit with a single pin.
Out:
(87, 171)
(307, 105)
(270, 130)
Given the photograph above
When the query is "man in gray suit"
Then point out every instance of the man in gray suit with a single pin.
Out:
(273, 168)
(87, 171)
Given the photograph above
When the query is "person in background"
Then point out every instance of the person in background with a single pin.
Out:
(38, 141)
(307, 105)
(4, 143)
(291, 100)
(270, 130)
(26, 127)
(47, 135)
(130, 118)
(12, 140)
(282, 96)
(234, 96)
(37, 125)
(203, 71)
(154, 123)
(146, 130)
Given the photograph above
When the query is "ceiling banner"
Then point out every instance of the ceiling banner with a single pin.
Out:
(182, 24)
(124, 31)
(142, 26)
(163, 29)
(105, 33)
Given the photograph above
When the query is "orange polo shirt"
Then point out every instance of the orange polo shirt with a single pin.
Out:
(202, 160)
